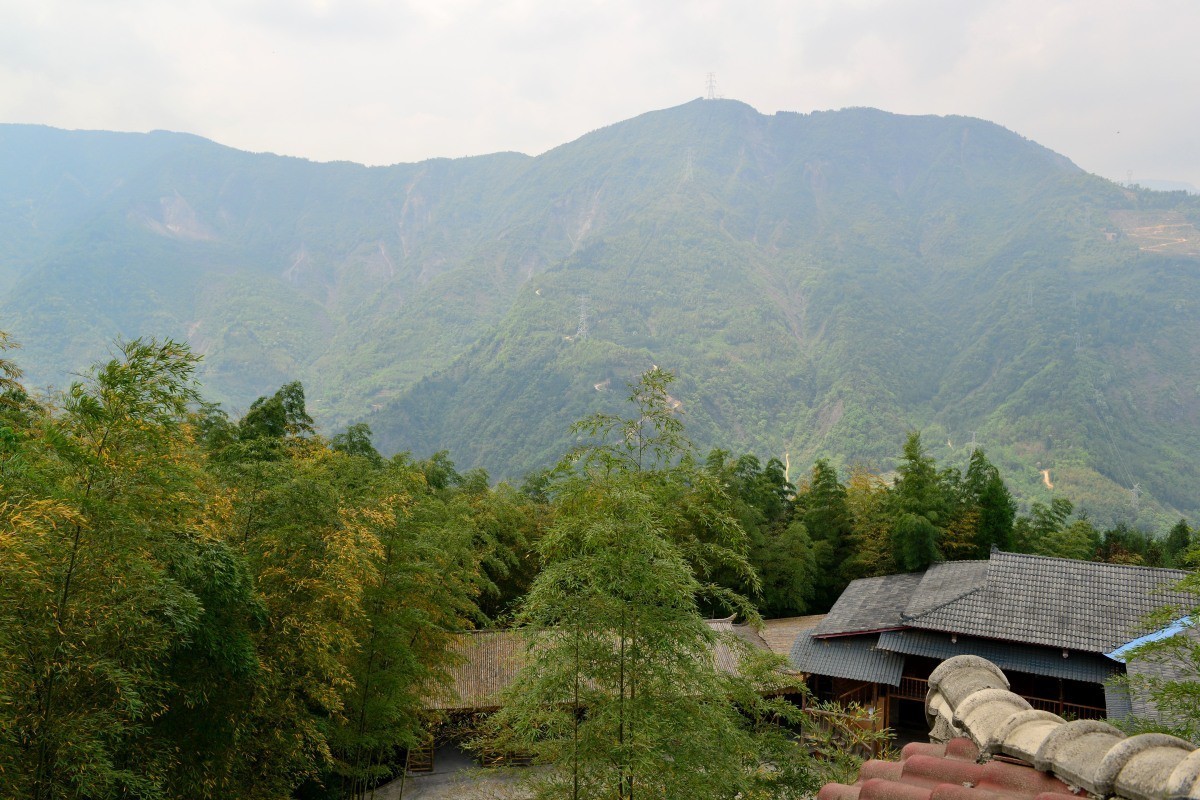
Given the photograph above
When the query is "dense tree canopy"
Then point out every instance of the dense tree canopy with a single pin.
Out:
(198, 606)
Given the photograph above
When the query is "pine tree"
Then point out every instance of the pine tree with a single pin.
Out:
(826, 518)
(920, 508)
(1177, 543)
(996, 509)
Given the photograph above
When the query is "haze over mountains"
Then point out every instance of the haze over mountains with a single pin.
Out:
(822, 283)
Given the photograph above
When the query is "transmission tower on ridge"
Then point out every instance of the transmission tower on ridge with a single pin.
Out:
(582, 331)
(712, 86)
(973, 445)
(1135, 492)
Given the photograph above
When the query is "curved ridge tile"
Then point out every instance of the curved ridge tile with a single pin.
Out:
(1074, 749)
(957, 677)
(971, 694)
(1140, 767)
(1023, 734)
(1184, 781)
(984, 712)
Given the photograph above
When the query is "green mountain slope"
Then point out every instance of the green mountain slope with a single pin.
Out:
(821, 283)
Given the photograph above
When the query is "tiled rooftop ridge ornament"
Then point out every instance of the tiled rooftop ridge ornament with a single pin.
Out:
(969, 695)
(995, 747)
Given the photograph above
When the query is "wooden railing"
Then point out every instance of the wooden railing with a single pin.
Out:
(862, 695)
(1065, 709)
(916, 688)
(911, 689)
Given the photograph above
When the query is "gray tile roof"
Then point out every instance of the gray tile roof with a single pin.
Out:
(1057, 602)
(1009, 656)
(945, 583)
(851, 657)
(869, 604)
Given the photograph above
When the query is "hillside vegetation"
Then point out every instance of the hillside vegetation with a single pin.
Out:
(821, 283)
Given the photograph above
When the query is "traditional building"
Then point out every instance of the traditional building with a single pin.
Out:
(1049, 622)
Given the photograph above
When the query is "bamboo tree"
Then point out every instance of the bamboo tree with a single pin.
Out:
(426, 577)
(293, 521)
(106, 503)
(867, 502)
(622, 694)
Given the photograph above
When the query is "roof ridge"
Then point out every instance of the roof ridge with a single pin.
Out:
(1104, 564)
(940, 606)
(969, 694)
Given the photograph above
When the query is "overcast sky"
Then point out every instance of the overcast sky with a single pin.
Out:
(1115, 86)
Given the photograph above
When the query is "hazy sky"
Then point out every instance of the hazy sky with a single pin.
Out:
(1115, 86)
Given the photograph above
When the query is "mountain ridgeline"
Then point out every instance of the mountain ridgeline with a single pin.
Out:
(821, 283)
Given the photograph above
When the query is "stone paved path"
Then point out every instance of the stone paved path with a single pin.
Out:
(457, 777)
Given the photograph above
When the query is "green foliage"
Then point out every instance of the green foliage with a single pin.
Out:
(426, 574)
(986, 490)
(193, 607)
(826, 516)
(867, 502)
(1172, 683)
(920, 509)
(1042, 523)
(1180, 539)
(780, 552)
(623, 696)
(103, 521)
(356, 441)
(1078, 540)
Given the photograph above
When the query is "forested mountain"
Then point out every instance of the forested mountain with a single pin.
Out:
(821, 283)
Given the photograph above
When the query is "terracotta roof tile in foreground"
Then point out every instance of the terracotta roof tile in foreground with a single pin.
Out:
(947, 772)
(1034, 754)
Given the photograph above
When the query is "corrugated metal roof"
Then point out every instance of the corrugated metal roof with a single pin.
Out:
(1057, 602)
(1033, 659)
(851, 657)
(1178, 626)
